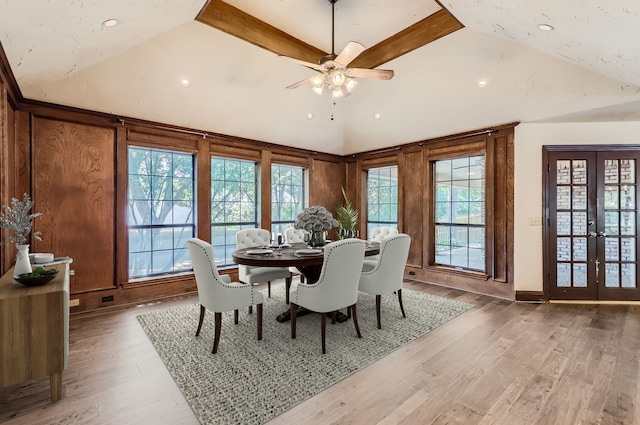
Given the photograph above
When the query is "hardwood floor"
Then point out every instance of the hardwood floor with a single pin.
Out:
(500, 363)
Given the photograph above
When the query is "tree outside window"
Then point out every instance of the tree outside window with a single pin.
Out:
(460, 212)
(233, 204)
(287, 196)
(160, 211)
(382, 197)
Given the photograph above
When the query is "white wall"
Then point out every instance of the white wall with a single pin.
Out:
(529, 139)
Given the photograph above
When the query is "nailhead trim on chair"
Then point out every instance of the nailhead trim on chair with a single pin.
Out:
(390, 238)
(315, 285)
(220, 281)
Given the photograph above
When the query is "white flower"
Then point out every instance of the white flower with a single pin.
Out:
(315, 219)
(17, 219)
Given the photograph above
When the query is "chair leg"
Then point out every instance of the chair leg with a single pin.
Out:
(294, 309)
(355, 320)
(216, 338)
(400, 300)
(323, 331)
(269, 289)
(287, 286)
(235, 316)
(333, 317)
(259, 308)
(202, 311)
(378, 302)
(250, 309)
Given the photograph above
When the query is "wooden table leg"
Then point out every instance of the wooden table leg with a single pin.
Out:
(55, 381)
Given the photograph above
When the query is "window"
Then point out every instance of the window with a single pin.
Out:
(382, 197)
(234, 204)
(460, 212)
(287, 196)
(160, 211)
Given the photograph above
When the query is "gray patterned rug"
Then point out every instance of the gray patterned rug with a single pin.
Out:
(250, 381)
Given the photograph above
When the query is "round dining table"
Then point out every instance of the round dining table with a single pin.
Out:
(307, 260)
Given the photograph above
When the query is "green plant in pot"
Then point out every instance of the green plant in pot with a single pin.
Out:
(347, 216)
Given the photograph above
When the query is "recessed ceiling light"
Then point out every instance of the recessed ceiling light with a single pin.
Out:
(185, 83)
(110, 23)
(545, 27)
(377, 116)
(482, 84)
(310, 116)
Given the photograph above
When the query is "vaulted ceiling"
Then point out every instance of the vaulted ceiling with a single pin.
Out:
(588, 68)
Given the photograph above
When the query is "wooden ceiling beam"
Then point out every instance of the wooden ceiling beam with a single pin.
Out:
(417, 35)
(235, 22)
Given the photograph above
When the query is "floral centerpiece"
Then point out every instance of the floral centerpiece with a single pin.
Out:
(316, 220)
(17, 219)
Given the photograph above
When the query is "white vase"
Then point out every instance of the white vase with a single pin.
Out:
(23, 265)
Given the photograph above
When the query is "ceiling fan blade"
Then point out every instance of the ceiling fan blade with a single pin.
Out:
(349, 53)
(378, 74)
(300, 83)
(315, 66)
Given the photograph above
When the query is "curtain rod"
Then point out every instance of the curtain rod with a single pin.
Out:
(477, 133)
(161, 127)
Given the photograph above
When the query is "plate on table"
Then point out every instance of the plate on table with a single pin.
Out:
(259, 251)
(309, 251)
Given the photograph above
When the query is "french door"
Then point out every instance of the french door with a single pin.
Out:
(592, 235)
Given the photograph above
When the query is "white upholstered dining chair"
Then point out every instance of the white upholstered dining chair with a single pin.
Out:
(217, 293)
(386, 275)
(336, 288)
(377, 235)
(250, 238)
(293, 235)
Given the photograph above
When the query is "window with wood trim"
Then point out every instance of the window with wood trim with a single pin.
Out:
(234, 204)
(382, 197)
(287, 196)
(459, 222)
(160, 211)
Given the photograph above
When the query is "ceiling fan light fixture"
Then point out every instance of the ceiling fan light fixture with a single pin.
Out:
(318, 81)
(335, 74)
(350, 84)
(337, 77)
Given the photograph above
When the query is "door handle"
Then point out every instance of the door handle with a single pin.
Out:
(592, 234)
(602, 234)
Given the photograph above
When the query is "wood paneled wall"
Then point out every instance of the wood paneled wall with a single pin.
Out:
(74, 187)
(74, 163)
(416, 211)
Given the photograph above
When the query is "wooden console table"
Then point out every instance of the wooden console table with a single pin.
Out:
(34, 330)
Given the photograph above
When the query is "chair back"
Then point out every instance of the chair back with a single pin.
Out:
(379, 233)
(249, 238)
(210, 285)
(389, 272)
(293, 235)
(340, 274)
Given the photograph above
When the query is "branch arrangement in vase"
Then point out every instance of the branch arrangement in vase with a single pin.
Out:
(17, 219)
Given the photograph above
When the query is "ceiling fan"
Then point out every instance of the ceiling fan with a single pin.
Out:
(334, 72)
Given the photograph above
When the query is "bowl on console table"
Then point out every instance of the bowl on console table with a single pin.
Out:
(40, 276)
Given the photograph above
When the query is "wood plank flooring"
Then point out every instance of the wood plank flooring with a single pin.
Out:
(500, 363)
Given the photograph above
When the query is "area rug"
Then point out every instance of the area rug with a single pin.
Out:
(250, 381)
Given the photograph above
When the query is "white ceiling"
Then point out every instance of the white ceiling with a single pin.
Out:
(587, 69)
